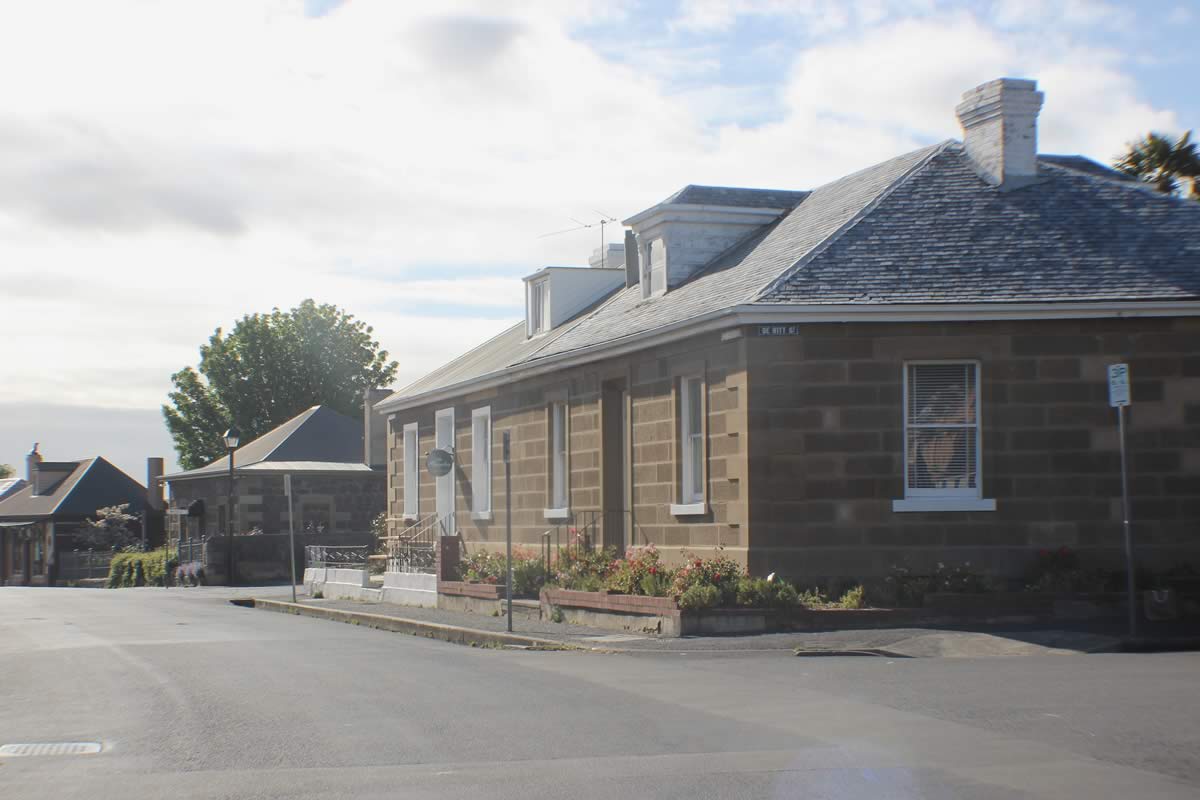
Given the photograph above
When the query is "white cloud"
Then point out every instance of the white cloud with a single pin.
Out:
(166, 168)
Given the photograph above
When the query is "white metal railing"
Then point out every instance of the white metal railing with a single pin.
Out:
(318, 555)
(414, 548)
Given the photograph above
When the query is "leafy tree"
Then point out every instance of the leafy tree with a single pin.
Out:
(268, 369)
(109, 529)
(6, 471)
(1168, 164)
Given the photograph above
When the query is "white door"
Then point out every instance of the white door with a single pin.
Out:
(444, 486)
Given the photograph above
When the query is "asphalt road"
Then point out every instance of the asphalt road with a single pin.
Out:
(192, 697)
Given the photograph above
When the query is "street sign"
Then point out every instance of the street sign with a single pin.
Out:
(1118, 385)
(439, 462)
(177, 512)
(287, 485)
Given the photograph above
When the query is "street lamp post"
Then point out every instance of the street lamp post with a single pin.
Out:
(232, 437)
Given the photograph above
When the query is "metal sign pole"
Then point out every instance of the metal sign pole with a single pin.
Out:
(508, 531)
(1130, 577)
(287, 489)
(1119, 397)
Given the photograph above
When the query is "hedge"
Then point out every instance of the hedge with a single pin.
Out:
(139, 569)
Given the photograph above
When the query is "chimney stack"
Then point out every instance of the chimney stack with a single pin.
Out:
(374, 429)
(32, 459)
(999, 121)
(154, 492)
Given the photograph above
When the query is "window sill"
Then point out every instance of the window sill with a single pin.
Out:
(481, 516)
(408, 518)
(557, 514)
(688, 509)
(943, 504)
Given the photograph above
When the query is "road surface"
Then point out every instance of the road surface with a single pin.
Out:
(191, 697)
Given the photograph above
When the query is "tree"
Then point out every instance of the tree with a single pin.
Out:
(110, 529)
(268, 369)
(6, 471)
(1172, 166)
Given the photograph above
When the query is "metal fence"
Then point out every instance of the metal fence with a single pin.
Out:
(78, 565)
(192, 550)
(317, 555)
(414, 549)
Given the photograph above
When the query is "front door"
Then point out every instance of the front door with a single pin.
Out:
(615, 492)
(444, 485)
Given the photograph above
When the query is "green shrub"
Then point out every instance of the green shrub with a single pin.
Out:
(700, 595)
(583, 570)
(491, 566)
(854, 598)
(813, 598)
(720, 572)
(786, 595)
(139, 569)
(764, 593)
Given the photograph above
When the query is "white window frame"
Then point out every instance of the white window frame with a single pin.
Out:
(537, 302)
(649, 271)
(559, 462)
(411, 441)
(692, 486)
(445, 488)
(945, 499)
(481, 463)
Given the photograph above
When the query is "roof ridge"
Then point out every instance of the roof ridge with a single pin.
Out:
(307, 414)
(828, 241)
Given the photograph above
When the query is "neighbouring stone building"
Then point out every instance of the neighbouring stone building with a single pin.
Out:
(904, 366)
(334, 485)
(40, 514)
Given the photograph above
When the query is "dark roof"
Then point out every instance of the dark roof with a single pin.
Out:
(10, 486)
(945, 236)
(924, 228)
(319, 435)
(694, 195)
(90, 484)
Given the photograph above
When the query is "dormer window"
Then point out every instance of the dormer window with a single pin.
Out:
(538, 311)
(654, 268)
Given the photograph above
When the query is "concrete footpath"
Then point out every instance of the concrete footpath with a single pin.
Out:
(532, 633)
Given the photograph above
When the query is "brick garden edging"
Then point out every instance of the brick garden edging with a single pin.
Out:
(479, 591)
(661, 615)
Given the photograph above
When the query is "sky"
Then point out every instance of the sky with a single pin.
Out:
(167, 167)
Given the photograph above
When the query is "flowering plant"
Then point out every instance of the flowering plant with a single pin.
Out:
(640, 572)
(489, 566)
(720, 572)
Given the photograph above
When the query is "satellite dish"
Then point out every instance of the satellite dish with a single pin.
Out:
(439, 462)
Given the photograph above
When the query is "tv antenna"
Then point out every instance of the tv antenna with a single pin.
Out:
(605, 219)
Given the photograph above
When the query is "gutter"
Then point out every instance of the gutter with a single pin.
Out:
(760, 314)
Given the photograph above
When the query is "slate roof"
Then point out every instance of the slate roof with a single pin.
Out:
(694, 195)
(944, 236)
(920, 228)
(319, 435)
(91, 484)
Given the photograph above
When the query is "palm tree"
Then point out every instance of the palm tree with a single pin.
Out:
(1166, 163)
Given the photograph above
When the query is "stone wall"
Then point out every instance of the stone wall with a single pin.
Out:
(342, 502)
(651, 379)
(826, 432)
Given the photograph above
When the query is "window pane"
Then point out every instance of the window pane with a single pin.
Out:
(559, 451)
(697, 487)
(943, 433)
(481, 463)
(411, 475)
(693, 402)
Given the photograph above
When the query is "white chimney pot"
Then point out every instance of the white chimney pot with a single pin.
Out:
(999, 121)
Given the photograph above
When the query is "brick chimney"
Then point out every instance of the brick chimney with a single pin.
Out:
(999, 121)
(154, 491)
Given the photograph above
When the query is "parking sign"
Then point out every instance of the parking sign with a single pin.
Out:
(1118, 385)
